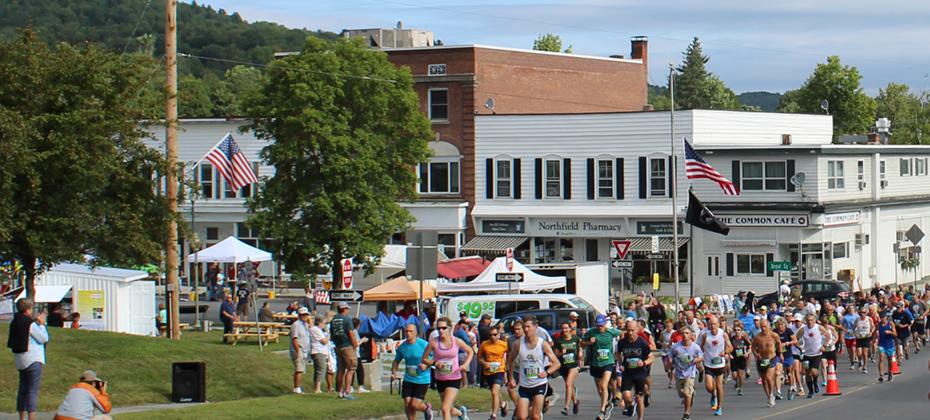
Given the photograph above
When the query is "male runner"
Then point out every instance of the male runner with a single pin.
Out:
(903, 319)
(848, 326)
(797, 321)
(530, 354)
(764, 347)
(886, 345)
(600, 339)
(415, 381)
(634, 355)
(491, 357)
(684, 356)
(812, 337)
(716, 345)
(918, 307)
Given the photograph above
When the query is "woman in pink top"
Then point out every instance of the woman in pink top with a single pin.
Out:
(442, 353)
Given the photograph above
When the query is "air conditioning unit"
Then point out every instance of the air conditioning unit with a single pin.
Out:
(861, 185)
(884, 183)
(859, 240)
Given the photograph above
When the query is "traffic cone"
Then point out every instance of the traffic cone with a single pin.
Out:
(895, 369)
(833, 384)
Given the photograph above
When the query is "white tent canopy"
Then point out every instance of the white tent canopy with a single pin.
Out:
(48, 294)
(230, 250)
(487, 281)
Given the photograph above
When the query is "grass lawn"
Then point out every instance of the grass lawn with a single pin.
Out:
(310, 406)
(138, 369)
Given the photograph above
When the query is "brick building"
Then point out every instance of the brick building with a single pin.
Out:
(456, 83)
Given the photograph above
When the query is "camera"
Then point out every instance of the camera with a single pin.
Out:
(99, 385)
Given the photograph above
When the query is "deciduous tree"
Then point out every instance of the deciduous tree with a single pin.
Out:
(853, 111)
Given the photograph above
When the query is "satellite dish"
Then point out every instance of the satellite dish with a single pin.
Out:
(825, 105)
(798, 179)
(489, 104)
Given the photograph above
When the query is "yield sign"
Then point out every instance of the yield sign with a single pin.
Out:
(623, 246)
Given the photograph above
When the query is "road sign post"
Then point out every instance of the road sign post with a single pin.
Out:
(347, 273)
(778, 267)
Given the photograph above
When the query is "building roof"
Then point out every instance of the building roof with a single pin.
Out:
(520, 50)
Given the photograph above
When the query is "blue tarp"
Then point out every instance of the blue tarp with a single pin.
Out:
(383, 326)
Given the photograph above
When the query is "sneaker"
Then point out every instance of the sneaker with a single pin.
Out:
(504, 410)
(646, 400)
(576, 406)
(771, 400)
(428, 414)
(817, 388)
(298, 390)
(890, 378)
(628, 411)
(601, 416)
(686, 417)
(907, 356)
(349, 397)
(362, 390)
(635, 408)
(718, 412)
(809, 396)
(791, 394)
(778, 396)
(865, 371)
(608, 410)
(464, 415)
(881, 379)
(713, 402)
(739, 391)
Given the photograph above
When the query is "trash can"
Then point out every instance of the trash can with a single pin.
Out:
(206, 324)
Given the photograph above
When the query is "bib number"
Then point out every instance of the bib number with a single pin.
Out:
(765, 363)
(603, 354)
(412, 371)
(444, 367)
(534, 372)
(568, 357)
(634, 363)
(716, 360)
(494, 367)
(738, 352)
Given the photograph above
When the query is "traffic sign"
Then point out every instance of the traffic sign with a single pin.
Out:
(621, 264)
(779, 266)
(914, 234)
(655, 244)
(655, 256)
(346, 295)
(346, 273)
(509, 259)
(623, 246)
(509, 277)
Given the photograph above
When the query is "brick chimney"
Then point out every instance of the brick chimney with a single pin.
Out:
(640, 49)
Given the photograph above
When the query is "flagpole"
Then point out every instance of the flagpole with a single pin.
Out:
(673, 175)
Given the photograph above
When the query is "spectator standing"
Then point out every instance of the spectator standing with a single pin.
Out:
(27, 341)
(319, 352)
(300, 346)
(85, 399)
(161, 319)
(242, 306)
(213, 270)
(228, 316)
(346, 343)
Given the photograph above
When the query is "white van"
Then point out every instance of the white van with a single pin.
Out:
(500, 305)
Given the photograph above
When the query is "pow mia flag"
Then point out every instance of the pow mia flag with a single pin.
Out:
(700, 217)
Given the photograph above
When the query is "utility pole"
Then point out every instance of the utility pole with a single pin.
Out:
(673, 173)
(171, 154)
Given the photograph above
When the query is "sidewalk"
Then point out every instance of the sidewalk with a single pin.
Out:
(116, 411)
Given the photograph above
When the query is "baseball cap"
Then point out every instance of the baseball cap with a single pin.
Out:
(303, 311)
(343, 305)
(486, 316)
(601, 320)
(89, 376)
(573, 313)
(798, 317)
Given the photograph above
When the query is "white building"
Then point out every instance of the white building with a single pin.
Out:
(558, 188)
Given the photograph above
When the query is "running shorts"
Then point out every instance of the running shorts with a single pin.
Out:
(811, 362)
(529, 393)
(412, 390)
(738, 363)
(714, 372)
(904, 334)
(598, 371)
(564, 370)
(630, 383)
(919, 329)
(494, 379)
(830, 355)
(763, 369)
(889, 351)
(787, 361)
(863, 343)
(442, 385)
(850, 342)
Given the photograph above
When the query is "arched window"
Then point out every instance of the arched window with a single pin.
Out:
(442, 174)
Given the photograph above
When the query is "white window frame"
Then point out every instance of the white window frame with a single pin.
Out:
(905, 167)
(499, 177)
(654, 193)
(429, 175)
(750, 256)
(251, 235)
(429, 105)
(546, 178)
(836, 175)
(764, 178)
(882, 173)
(610, 163)
(843, 246)
(219, 187)
(920, 167)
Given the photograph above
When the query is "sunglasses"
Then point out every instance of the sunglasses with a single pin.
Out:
(443, 328)
(495, 335)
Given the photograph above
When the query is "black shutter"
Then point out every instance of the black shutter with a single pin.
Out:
(539, 182)
(768, 258)
(642, 177)
(729, 264)
(489, 178)
(567, 178)
(618, 175)
(516, 179)
(789, 172)
(591, 180)
(735, 175)
(671, 174)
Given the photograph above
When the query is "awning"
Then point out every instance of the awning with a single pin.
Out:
(747, 242)
(48, 294)
(460, 268)
(644, 243)
(493, 244)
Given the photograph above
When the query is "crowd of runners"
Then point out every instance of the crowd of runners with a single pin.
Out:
(787, 348)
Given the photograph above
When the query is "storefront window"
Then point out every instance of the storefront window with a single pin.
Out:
(567, 252)
(553, 250)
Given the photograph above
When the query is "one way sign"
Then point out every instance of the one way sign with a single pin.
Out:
(346, 295)
(509, 277)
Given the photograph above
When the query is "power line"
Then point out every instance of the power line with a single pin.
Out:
(248, 63)
(136, 27)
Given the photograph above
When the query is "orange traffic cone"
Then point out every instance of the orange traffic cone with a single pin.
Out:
(895, 369)
(833, 384)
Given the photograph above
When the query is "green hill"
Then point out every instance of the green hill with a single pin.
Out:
(766, 101)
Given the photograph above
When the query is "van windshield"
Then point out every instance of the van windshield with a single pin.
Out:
(580, 303)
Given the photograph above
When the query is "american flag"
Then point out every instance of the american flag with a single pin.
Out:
(232, 163)
(696, 168)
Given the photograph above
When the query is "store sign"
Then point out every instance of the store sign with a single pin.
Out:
(502, 226)
(762, 220)
(837, 219)
(656, 228)
(576, 227)
(476, 308)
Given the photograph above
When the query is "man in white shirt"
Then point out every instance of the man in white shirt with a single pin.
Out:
(300, 346)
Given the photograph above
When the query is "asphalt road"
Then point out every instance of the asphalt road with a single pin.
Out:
(862, 398)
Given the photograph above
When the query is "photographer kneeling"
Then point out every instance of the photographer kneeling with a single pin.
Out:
(85, 399)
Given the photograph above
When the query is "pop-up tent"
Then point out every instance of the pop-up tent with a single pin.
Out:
(487, 280)
(230, 250)
(399, 289)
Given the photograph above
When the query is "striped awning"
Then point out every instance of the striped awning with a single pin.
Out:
(644, 243)
(493, 244)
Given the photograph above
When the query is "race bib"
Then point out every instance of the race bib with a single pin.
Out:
(494, 367)
(568, 357)
(633, 363)
(765, 363)
(412, 371)
(738, 353)
(603, 354)
(716, 360)
(807, 364)
(685, 358)
(444, 367)
(534, 372)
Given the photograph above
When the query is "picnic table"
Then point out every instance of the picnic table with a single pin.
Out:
(284, 316)
(268, 331)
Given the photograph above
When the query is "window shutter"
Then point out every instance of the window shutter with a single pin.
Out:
(618, 174)
(567, 178)
(642, 177)
(671, 174)
(768, 258)
(489, 178)
(729, 264)
(789, 172)
(516, 179)
(735, 175)
(591, 180)
(539, 182)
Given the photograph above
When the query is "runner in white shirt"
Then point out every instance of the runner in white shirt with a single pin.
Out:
(531, 354)
(716, 345)
(812, 335)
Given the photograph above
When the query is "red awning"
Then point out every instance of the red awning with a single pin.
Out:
(459, 268)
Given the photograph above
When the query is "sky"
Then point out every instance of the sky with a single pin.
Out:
(753, 45)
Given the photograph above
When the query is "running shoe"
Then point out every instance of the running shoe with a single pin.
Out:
(576, 406)
(298, 390)
(686, 417)
(635, 408)
(464, 415)
(790, 394)
(628, 411)
(907, 356)
(713, 402)
(865, 371)
(428, 414)
(811, 395)
(772, 400)
(564, 411)
(349, 397)
(881, 379)
(718, 412)
(817, 388)
(601, 416)
(890, 378)
(778, 396)
(646, 400)
(739, 391)
(504, 410)
(608, 410)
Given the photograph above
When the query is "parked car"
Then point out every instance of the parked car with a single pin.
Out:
(500, 305)
(818, 289)
(551, 319)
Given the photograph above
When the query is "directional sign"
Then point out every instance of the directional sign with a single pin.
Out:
(623, 246)
(509, 277)
(346, 295)
(346, 273)
(621, 264)
(509, 259)
(779, 266)
(655, 256)
(914, 234)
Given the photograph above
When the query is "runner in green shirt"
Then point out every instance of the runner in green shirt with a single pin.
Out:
(568, 349)
(601, 341)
